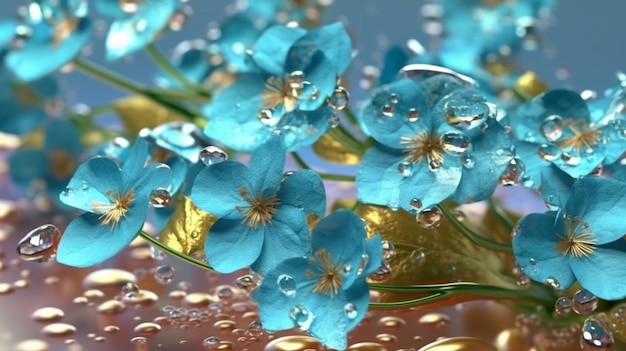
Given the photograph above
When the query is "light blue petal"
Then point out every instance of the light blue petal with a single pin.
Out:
(272, 48)
(601, 202)
(216, 189)
(534, 247)
(287, 236)
(61, 134)
(231, 245)
(7, 31)
(154, 176)
(19, 119)
(378, 180)
(27, 165)
(137, 158)
(395, 58)
(533, 163)
(238, 33)
(91, 182)
(334, 41)
(374, 251)
(266, 166)
(430, 187)
(318, 70)
(304, 190)
(556, 186)
(303, 128)
(110, 8)
(179, 168)
(602, 273)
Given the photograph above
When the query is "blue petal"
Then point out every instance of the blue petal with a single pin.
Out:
(374, 251)
(216, 189)
(154, 176)
(336, 44)
(266, 166)
(304, 190)
(556, 186)
(303, 128)
(287, 236)
(272, 48)
(533, 163)
(378, 180)
(319, 72)
(395, 58)
(231, 245)
(335, 231)
(91, 182)
(63, 135)
(534, 246)
(28, 165)
(137, 158)
(110, 8)
(602, 272)
(7, 31)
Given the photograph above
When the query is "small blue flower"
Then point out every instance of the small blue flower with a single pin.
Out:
(116, 201)
(583, 242)
(324, 293)
(295, 70)
(262, 215)
(135, 25)
(56, 30)
(48, 169)
(435, 140)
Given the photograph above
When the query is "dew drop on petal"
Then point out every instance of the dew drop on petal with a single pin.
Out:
(553, 282)
(362, 264)
(268, 117)
(415, 204)
(412, 115)
(466, 111)
(286, 284)
(549, 152)
(40, 244)
(301, 316)
(333, 121)
(468, 161)
(388, 110)
(160, 197)
(339, 99)
(405, 168)
(393, 98)
(430, 218)
(563, 306)
(211, 155)
(350, 310)
(584, 302)
(596, 336)
(572, 158)
(552, 127)
(164, 274)
(455, 143)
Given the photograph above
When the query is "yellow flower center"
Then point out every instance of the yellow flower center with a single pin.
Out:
(260, 210)
(277, 91)
(62, 165)
(63, 29)
(424, 145)
(578, 240)
(585, 135)
(329, 278)
(112, 213)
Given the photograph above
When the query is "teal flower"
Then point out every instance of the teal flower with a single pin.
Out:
(136, 24)
(583, 242)
(50, 168)
(435, 139)
(324, 293)
(262, 215)
(56, 30)
(294, 71)
(116, 201)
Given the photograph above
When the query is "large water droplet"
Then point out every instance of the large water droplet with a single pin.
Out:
(549, 152)
(563, 306)
(147, 329)
(430, 218)
(339, 99)
(466, 111)
(211, 155)
(412, 115)
(596, 336)
(164, 274)
(301, 316)
(513, 173)
(552, 127)
(40, 244)
(455, 143)
(388, 110)
(584, 302)
(415, 204)
(255, 329)
(286, 284)
(160, 197)
(47, 314)
(58, 329)
(268, 117)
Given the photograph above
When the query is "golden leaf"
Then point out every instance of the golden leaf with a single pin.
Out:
(332, 150)
(430, 256)
(187, 228)
(137, 112)
(529, 85)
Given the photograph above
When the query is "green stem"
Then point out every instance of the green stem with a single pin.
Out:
(165, 65)
(501, 214)
(175, 253)
(346, 139)
(337, 177)
(474, 237)
(350, 116)
(299, 160)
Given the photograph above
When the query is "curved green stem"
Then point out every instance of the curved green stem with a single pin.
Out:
(503, 217)
(347, 139)
(165, 65)
(175, 253)
(474, 237)
(299, 160)
(337, 177)
(350, 116)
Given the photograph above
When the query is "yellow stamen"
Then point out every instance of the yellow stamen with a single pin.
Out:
(585, 134)
(113, 212)
(62, 165)
(63, 29)
(424, 145)
(277, 91)
(578, 240)
(329, 278)
(260, 210)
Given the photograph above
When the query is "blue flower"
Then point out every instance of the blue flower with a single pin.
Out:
(262, 215)
(583, 242)
(324, 293)
(556, 128)
(435, 140)
(295, 70)
(116, 201)
(135, 25)
(55, 30)
(48, 169)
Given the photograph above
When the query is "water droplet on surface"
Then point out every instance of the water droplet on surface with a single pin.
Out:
(301, 316)
(430, 218)
(293, 342)
(388, 110)
(460, 343)
(584, 302)
(417, 256)
(415, 204)
(147, 329)
(333, 121)
(552, 127)
(393, 98)
(596, 336)
(513, 173)
(247, 282)
(130, 290)
(180, 18)
(351, 311)
(523, 281)
(138, 340)
(563, 306)
(434, 318)
(455, 143)
(32, 345)
(388, 250)
(383, 273)
(553, 283)
(571, 158)
(405, 168)
(364, 260)
(211, 343)
(111, 328)
(268, 118)
(465, 112)
(164, 274)
(339, 99)
(211, 155)
(47, 314)
(111, 307)
(391, 322)
(160, 197)
(256, 329)
(549, 152)
(286, 284)
(144, 298)
(40, 244)
(412, 115)
(58, 329)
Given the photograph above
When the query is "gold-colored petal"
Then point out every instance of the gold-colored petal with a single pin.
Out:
(137, 112)
(332, 150)
(529, 85)
(187, 228)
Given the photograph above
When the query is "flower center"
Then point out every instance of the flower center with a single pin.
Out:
(260, 210)
(115, 211)
(424, 145)
(329, 278)
(62, 165)
(281, 91)
(578, 240)
(63, 29)
(585, 135)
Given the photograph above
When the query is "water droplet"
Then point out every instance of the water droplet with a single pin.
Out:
(339, 99)
(553, 283)
(466, 110)
(301, 316)
(391, 322)
(333, 121)
(268, 118)
(434, 318)
(21, 36)
(552, 127)
(417, 256)
(47, 314)
(563, 306)
(549, 152)
(164, 274)
(413, 115)
(389, 249)
(180, 18)
(351, 311)
(405, 168)
(306, 91)
(247, 282)
(160, 197)
(286, 284)
(140, 25)
(255, 329)
(212, 155)
(147, 329)
(58, 329)
(430, 218)
(596, 336)
(523, 281)
(40, 244)
(513, 173)
(383, 273)
(584, 302)
(455, 143)
(111, 328)
(294, 342)
(295, 79)
(415, 204)
(393, 98)
(225, 292)
(130, 290)
(388, 110)
(571, 157)
(111, 307)
(364, 260)
(210, 343)
(139, 340)
(129, 6)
